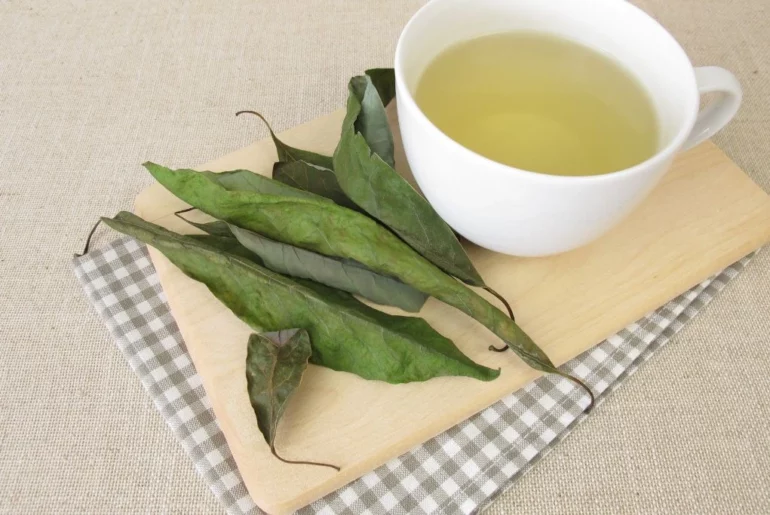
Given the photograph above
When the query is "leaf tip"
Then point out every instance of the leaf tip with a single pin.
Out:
(154, 168)
(486, 374)
(106, 220)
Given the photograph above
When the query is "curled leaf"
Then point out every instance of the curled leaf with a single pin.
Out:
(346, 334)
(344, 275)
(288, 153)
(275, 363)
(374, 185)
(372, 120)
(384, 79)
(290, 260)
(312, 178)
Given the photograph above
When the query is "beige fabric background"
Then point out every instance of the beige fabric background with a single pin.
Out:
(89, 90)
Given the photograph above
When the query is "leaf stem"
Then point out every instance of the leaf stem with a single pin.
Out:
(501, 299)
(255, 114)
(88, 240)
(293, 462)
(187, 210)
(581, 384)
(554, 370)
(510, 314)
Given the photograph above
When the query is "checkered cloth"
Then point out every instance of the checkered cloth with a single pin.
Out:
(459, 471)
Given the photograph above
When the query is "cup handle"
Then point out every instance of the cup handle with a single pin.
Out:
(713, 79)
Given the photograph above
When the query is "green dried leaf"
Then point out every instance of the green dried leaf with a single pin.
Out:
(275, 363)
(372, 120)
(375, 186)
(329, 229)
(290, 260)
(346, 334)
(312, 178)
(288, 153)
(343, 275)
(384, 79)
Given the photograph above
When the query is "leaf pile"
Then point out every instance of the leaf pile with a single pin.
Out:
(288, 252)
(346, 334)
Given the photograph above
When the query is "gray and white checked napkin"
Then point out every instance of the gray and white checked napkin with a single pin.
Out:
(459, 471)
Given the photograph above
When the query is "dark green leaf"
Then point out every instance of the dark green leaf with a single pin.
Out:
(288, 153)
(345, 334)
(343, 275)
(312, 178)
(372, 121)
(296, 262)
(384, 79)
(275, 363)
(375, 186)
(329, 229)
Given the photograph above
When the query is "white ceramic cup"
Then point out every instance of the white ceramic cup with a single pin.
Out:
(530, 214)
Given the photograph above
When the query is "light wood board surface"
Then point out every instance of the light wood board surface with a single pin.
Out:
(705, 214)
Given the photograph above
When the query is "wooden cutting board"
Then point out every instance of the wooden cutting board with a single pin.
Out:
(705, 214)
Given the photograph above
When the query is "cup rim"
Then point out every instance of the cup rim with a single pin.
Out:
(653, 161)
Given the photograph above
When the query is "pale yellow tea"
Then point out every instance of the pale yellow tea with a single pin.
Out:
(540, 103)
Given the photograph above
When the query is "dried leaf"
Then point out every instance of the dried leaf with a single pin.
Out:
(288, 153)
(346, 334)
(343, 275)
(275, 363)
(384, 79)
(375, 186)
(312, 178)
(372, 120)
